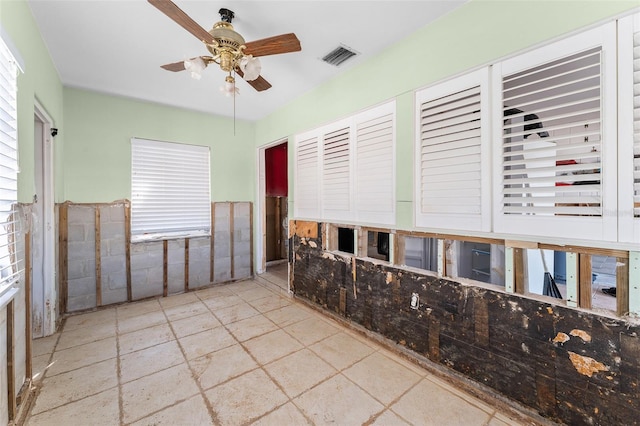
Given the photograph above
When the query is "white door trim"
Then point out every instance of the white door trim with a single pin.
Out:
(50, 297)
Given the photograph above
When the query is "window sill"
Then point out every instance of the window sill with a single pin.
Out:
(144, 238)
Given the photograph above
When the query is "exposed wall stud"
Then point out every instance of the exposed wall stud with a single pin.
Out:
(509, 270)
(28, 280)
(280, 234)
(442, 256)
(519, 284)
(622, 286)
(98, 257)
(11, 368)
(63, 241)
(165, 268)
(212, 241)
(186, 265)
(584, 288)
(127, 248)
(231, 240)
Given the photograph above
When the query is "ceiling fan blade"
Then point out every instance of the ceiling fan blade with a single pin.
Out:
(284, 43)
(170, 9)
(175, 67)
(259, 83)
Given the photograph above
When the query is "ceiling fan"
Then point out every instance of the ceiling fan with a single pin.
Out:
(228, 48)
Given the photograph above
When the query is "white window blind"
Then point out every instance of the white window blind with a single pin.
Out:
(345, 171)
(336, 173)
(555, 120)
(452, 142)
(551, 138)
(306, 184)
(636, 121)
(169, 188)
(375, 169)
(10, 260)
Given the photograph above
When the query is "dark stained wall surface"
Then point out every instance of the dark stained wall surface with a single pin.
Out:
(571, 366)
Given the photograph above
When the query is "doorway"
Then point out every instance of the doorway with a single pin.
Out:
(43, 291)
(274, 196)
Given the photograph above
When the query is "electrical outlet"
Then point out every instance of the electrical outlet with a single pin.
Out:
(415, 301)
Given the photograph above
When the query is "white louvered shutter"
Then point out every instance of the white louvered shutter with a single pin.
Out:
(10, 265)
(452, 142)
(636, 119)
(375, 166)
(169, 187)
(336, 175)
(306, 182)
(556, 107)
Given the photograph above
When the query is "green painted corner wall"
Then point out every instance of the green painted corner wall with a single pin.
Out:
(476, 34)
(40, 81)
(99, 128)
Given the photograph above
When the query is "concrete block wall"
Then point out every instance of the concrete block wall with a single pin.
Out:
(81, 249)
(231, 260)
(113, 254)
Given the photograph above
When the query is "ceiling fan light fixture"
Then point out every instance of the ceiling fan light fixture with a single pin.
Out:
(250, 67)
(229, 89)
(195, 66)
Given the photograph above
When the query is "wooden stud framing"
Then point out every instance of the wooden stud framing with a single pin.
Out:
(251, 238)
(165, 268)
(212, 241)
(127, 248)
(594, 251)
(98, 258)
(186, 265)
(584, 280)
(63, 241)
(28, 279)
(11, 368)
(231, 240)
(519, 285)
(622, 286)
(442, 259)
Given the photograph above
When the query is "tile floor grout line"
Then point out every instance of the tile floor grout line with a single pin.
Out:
(212, 413)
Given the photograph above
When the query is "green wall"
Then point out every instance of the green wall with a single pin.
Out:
(476, 34)
(39, 82)
(99, 128)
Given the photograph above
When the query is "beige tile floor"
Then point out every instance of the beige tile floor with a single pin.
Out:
(232, 355)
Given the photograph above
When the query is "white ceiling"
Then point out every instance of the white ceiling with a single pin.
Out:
(117, 46)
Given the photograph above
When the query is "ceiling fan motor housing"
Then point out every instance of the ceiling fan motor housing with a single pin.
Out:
(227, 45)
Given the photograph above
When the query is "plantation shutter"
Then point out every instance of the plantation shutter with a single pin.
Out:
(306, 182)
(555, 162)
(10, 263)
(336, 175)
(375, 170)
(551, 138)
(452, 136)
(636, 122)
(169, 187)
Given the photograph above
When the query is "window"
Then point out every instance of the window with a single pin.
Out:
(452, 154)
(169, 188)
(10, 260)
(345, 171)
(377, 245)
(557, 157)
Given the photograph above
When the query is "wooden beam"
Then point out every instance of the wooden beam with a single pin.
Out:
(586, 250)
(63, 244)
(622, 286)
(28, 282)
(212, 241)
(584, 281)
(186, 265)
(98, 257)
(519, 268)
(127, 248)
(11, 368)
(251, 237)
(231, 239)
(165, 268)
(634, 282)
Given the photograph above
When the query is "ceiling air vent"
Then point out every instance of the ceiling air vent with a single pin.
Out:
(338, 55)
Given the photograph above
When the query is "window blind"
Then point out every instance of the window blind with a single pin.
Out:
(636, 124)
(307, 183)
(551, 138)
(336, 172)
(450, 156)
(10, 260)
(375, 171)
(169, 187)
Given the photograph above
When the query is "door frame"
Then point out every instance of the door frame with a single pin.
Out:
(48, 248)
(261, 243)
